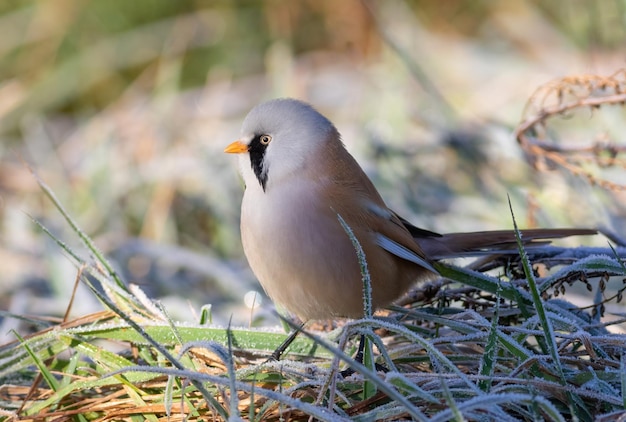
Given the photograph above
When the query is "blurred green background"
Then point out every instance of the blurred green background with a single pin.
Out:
(124, 107)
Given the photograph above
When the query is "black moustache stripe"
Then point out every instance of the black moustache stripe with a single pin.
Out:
(257, 159)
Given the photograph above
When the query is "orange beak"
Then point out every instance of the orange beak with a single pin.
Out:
(236, 147)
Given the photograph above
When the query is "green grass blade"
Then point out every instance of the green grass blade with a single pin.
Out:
(488, 359)
(82, 235)
(43, 368)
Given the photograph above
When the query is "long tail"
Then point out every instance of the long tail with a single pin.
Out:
(454, 245)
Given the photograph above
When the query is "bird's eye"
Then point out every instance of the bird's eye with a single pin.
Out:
(265, 139)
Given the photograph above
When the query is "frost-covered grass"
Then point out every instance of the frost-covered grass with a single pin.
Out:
(469, 346)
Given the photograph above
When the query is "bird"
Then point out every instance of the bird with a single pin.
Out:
(300, 183)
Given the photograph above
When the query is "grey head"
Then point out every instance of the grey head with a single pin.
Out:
(283, 136)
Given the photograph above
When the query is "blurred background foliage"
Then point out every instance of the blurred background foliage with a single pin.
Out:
(124, 107)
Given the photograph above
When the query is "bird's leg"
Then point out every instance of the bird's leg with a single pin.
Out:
(360, 355)
(361, 350)
(278, 353)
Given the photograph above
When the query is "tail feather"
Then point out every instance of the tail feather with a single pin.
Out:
(454, 245)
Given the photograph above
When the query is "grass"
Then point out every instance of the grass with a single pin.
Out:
(477, 347)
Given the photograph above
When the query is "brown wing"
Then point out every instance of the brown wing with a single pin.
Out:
(388, 230)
